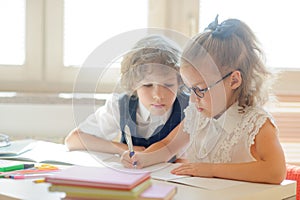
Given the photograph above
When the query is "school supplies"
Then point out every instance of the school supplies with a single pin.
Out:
(16, 174)
(129, 142)
(96, 193)
(26, 176)
(6, 166)
(159, 192)
(98, 177)
(48, 152)
(81, 182)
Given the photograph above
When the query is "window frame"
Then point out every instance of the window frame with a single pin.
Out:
(43, 70)
(13, 76)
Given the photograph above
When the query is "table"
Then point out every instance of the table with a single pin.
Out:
(26, 189)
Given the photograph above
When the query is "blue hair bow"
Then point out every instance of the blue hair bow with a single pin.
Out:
(223, 30)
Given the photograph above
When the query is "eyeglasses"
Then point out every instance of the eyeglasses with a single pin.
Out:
(198, 91)
(4, 140)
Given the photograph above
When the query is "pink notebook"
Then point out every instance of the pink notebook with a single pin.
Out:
(159, 191)
(98, 177)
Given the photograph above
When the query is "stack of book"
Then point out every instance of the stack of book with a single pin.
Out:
(87, 183)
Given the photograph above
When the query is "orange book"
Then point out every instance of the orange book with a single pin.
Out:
(98, 177)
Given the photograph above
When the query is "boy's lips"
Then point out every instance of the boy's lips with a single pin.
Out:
(157, 105)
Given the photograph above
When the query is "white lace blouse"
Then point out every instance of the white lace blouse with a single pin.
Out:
(226, 139)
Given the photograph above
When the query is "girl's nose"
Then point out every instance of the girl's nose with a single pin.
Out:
(194, 97)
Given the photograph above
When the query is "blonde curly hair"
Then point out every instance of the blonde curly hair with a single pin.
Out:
(153, 49)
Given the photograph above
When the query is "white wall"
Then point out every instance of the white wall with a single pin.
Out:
(45, 121)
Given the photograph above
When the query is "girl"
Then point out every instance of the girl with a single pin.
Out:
(150, 107)
(230, 135)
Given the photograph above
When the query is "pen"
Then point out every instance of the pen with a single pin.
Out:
(129, 143)
(16, 167)
(26, 171)
(24, 176)
(39, 180)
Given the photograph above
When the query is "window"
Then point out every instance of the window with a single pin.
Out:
(274, 23)
(12, 37)
(78, 27)
(21, 52)
(97, 22)
(49, 39)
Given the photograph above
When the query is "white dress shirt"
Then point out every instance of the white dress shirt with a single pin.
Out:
(105, 122)
(226, 139)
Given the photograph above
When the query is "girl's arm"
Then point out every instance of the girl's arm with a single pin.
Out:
(158, 152)
(269, 166)
(78, 140)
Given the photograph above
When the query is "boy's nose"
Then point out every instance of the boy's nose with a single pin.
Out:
(158, 92)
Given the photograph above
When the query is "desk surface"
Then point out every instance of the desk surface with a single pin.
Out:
(28, 190)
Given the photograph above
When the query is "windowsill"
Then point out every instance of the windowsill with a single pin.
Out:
(291, 151)
(51, 98)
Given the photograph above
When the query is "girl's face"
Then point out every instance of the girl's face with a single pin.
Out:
(158, 91)
(215, 100)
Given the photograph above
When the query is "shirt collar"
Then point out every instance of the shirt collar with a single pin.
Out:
(146, 115)
(230, 118)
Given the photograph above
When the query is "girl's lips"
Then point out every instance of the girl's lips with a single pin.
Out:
(200, 109)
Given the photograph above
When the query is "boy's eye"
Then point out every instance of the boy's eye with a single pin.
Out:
(148, 85)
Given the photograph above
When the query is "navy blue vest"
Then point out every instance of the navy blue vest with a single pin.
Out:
(128, 106)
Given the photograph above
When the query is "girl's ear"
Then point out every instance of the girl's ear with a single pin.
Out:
(235, 80)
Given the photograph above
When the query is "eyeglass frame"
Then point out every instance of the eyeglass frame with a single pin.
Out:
(200, 92)
(4, 140)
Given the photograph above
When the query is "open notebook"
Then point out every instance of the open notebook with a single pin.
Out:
(53, 153)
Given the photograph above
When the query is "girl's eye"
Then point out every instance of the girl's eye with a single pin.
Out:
(169, 85)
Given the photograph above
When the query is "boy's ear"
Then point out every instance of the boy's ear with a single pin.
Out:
(235, 80)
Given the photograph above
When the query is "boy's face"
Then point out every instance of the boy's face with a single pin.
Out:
(157, 91)
(215, 99)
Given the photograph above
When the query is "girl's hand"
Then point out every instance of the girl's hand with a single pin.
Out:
(181, 160)
(194, 169)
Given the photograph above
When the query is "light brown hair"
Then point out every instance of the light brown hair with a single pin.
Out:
(153, 49)
(232, 46)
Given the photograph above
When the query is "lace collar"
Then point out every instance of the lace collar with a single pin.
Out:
(230, 118)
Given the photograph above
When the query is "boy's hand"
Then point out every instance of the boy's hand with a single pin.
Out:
(139, 148)
(128, 161)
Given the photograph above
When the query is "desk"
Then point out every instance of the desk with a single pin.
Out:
(27, 190)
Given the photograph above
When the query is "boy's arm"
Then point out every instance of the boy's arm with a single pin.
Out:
(78, 140)
(158, 152)
(164, 142)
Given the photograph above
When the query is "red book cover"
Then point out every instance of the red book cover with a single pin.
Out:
(99, 177)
